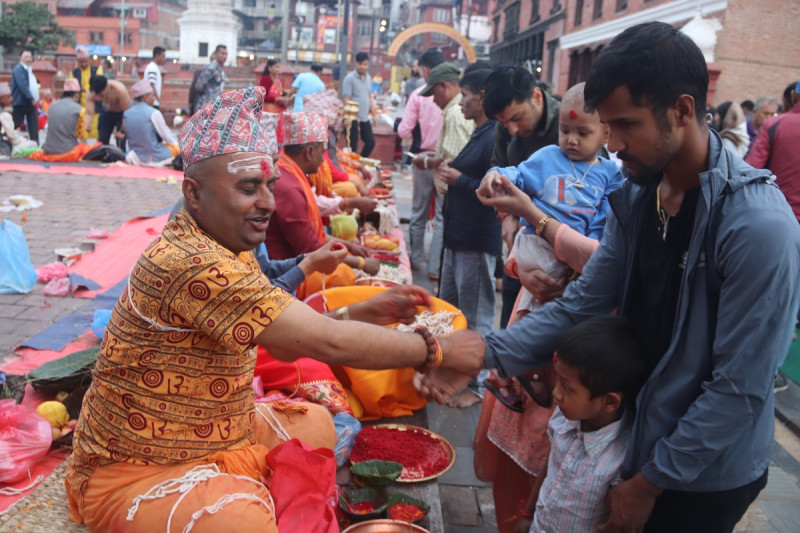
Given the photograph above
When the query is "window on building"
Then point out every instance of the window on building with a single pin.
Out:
(556, 7)
(128, 38)
(95, 37)
(598, 9)
(512, 21)
(578, 12)
(202, 49)
(622, 4)
(363, 28)
(535, 11)
(249, 3)
(441, 15)
(496, 25)
(248, 24)
(439, 38)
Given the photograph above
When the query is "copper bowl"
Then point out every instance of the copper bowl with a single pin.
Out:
(385, 526)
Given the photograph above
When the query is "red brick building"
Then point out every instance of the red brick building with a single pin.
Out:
(749, 45)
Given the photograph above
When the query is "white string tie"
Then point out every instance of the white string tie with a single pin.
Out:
(274, 423)
(152, 322)
(225, 500)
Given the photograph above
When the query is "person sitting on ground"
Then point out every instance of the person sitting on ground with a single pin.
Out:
(732, 127)
(171, 406)
(600, 367)
(11, 140)
(115, 100)
(297, 227)
(67, 126)
(143, 125)
(569, 182)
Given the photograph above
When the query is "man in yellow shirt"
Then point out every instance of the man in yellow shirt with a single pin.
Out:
(84, 73)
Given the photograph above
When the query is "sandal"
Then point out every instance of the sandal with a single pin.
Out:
(511, 401)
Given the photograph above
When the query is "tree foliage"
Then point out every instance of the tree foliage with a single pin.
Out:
(29, 26)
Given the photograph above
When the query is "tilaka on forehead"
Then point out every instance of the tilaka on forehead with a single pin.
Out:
(572, 114)
(260, 162)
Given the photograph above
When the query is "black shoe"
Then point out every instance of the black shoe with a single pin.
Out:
(781, 383)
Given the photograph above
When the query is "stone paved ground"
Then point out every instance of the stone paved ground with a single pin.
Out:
(72, 206)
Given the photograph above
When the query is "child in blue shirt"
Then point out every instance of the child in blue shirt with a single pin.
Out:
(569, 182)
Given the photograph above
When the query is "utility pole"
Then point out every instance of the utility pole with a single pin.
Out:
(345, 39)
(371, 41)
(122, 38)
(284, 31)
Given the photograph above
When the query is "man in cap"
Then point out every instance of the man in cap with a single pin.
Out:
(84, 72)
(67, 121)
(422, 122)
(144, 125)
(111, 99)
(25, 94)
(298, 227)
(10, 139)
(169, 434)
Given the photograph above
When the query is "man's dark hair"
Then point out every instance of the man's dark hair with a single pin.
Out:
(505, 85)
(157, 51)
(657, 64)
(69, 94)
(361, 57)
(220, 47)
(475, 81)
(414, 74)
(607, 354)
(478, 65)
(98, 84)
(431, 58)
(293, 149)
(787, 96)
(748, 105)
(316, 67)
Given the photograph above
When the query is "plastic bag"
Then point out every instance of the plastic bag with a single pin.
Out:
(57, 287)
(347, 429)
(51, 271)
(303, 486)
(17, 275)
(100, 321)
(25, 438)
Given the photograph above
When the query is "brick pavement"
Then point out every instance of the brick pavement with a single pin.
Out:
(73, 205)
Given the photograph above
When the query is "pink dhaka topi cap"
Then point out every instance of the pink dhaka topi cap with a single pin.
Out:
(71, 84)
(304, 128)
(325, 103)
(141, 88)
(270, 121)
(5, 90)
(230, 123)
(81, 51)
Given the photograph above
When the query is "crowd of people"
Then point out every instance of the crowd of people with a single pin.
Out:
(649, 294)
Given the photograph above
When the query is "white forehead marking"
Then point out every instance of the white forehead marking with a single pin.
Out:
(248, 164)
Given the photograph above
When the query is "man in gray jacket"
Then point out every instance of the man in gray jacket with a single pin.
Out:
(702, 253)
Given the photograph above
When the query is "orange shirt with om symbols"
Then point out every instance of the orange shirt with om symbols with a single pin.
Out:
(168, 396)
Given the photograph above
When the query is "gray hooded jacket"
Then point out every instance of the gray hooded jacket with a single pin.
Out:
(704, 419)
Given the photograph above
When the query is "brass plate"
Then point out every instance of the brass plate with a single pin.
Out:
(449, 449)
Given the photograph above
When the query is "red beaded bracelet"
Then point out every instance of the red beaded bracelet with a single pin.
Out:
(434, 356)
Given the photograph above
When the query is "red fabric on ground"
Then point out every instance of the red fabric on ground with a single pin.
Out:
(111, 171)
(113, 258)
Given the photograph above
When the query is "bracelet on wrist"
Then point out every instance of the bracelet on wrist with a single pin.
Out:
(343, 313)
(434, 356)
(542, 224)
(361, 263)
(425, 161)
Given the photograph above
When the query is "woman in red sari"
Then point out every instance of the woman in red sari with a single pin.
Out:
(275, 100)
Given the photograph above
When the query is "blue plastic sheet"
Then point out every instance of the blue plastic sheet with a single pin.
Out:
(17, 274)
